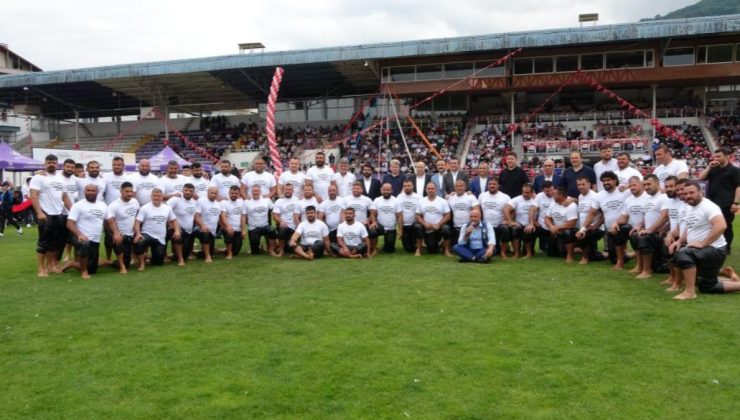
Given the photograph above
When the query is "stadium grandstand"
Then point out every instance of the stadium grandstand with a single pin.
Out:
(366, 102)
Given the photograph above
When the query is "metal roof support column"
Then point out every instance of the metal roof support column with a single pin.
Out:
(166, 124)
(513, 117)
(655, 106)
(77, 127)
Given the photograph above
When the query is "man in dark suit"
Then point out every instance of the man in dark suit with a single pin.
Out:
(453, 175)
(512, 177)
(370, 184)
(548, 174)
(438, 178)
(480, 183)
(420, 179)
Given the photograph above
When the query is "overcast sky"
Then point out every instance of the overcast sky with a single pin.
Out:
(81, 33)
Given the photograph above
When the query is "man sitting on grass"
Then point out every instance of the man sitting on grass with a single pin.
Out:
(477, 240)
(352, 238)
(314, 236)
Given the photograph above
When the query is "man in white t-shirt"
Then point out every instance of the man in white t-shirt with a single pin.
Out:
(120, 218)
(624, 171)
(286, 213)
(85, 223)
(353, 240)
(650, 243)
(320, 176)
(344, 179)
(410, 229)
(433, 214)
(294, 177)
(224, 180)
(676, 210)
(461, 203)
(632, 219)
(702, 249)
(561, 219)
(93, 177)
(49, 199)
(493, 203)
(200, 182)
(150, 229)
(589, 235)
(609, 203)
(330, 212)
(144, 182)
(309, 199)
(386, 219)
(207, 217)
(516, 216)
(263, 179)
(667, 165)
(607, 163)
(113, 181)
(233, 221)
(314, 236)
(361, 203)
(172, 182)
(537, 212)
(184, 208)
(257, 212)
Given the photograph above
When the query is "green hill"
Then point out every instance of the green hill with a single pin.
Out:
(703, 8)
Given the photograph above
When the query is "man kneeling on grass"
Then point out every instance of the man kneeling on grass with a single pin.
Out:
(85, 222)
(314, 236)
(477, 240)
(705, 247)
(352, 237)
(150, 229)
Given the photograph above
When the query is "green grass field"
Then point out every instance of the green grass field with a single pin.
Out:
(394, 337)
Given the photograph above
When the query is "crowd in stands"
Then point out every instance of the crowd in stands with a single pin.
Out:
(726, 129)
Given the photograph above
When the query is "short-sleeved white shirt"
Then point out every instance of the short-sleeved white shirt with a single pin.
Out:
(698, 222)
(201, 185)
(332, 211)
(600, 167)
(210, 213)
(51, 190)
(143, 185)
(654, 207)
(312, 232)
(98, 181)
(113, 184)
(433, 210)
(264, 180)
(344, 183)
(257, 212)
(674, 168)
(634, 209)
(304, 202)
(543, 203)
(408, 204)
(460, 206)
(233, 210)
(674, 207)
(124, 213)
(492, 206)
(224, 183)
(521, 209)
(584, 208)
(89, 218)
(154, 220)
(295, 179)
(184, 212)
(173, 185)
(286, 208)
(361, 205)
(610, 204)
(624, 176)
(321, 179)
(561, 215)
(387, 211)
(353, 234)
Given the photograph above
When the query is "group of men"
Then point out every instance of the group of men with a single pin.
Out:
(665, 218)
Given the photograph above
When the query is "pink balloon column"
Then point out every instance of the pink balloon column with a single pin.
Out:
(270, 127)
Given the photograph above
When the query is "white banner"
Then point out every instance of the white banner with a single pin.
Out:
(84, 156)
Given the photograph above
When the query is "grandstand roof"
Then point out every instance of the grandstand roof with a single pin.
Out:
(240, 81)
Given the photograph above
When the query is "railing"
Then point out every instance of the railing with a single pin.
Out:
(538, 147)
(612, 115)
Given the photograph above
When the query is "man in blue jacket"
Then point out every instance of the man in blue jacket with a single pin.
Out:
(548, 174)
(477, 240)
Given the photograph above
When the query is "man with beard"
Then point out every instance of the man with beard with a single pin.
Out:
(352, 237)
(476, 240)
(632, 220)
(609, 203)
(309, 199)
(85, 223)
(433, 214)
(200, 183)
(561, 220)
(650, 241)
(624, 171)
(286, 214)
(409, 230)
(69, 179)
(701, 250)
(724, 188)
(492, 203)
(172, 182)
(330, 212)
(224, 180)
(385, 219)
(233, 220)
(120, 218)
(145, 182)
(437, 179)
(516, 216)
(49, 198)
(394, 177)
(668, 166)
(360, 203)
(207, 217)
(676, 211)
(184, 208)
(314, 236)
(113, 181)
(589, 235)
(512, 177)
(320, 176)
(607, 163)
(461, 203)
(150, 229)
(370, 185)
(343, 179)
(261, 178)
(293, 177)
(537, 212)
(257, 211)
